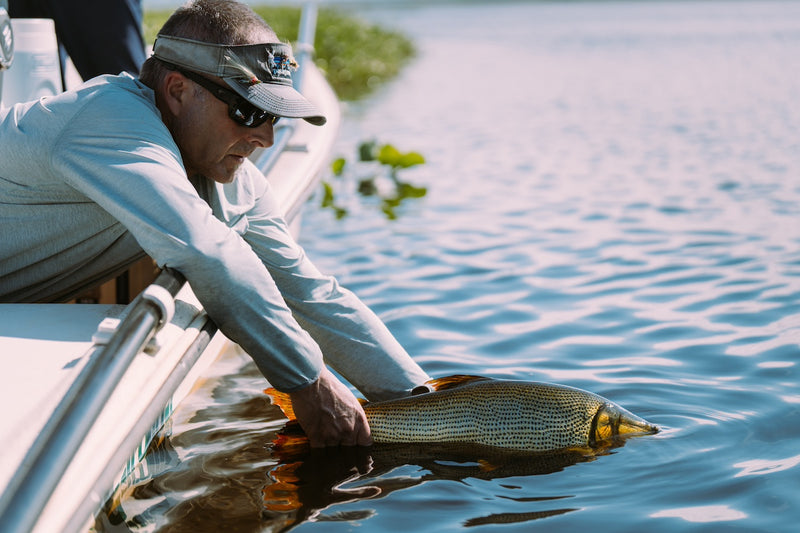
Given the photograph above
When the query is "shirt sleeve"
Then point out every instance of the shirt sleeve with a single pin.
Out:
(354, 341)
(133, 170)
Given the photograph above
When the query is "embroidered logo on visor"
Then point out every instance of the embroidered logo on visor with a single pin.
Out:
(280, 67)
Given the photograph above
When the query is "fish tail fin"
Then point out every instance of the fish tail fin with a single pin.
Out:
(451, 382)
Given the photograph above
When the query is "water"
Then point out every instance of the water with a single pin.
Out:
(614, 203)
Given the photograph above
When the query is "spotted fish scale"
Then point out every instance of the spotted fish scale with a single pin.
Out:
(509, 414)
(514, 415)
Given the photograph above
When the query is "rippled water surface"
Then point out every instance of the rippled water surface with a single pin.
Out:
(614, 204)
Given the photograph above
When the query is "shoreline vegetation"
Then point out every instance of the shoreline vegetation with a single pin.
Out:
(356, 56)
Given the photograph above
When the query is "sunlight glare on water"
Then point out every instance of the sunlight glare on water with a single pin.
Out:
(614, 196)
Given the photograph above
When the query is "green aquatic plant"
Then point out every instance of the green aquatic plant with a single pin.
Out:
(373, 175)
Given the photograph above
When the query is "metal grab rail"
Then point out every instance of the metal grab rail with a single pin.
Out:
(55, 447)
(305, 39)
(110, 473)
(303, 54)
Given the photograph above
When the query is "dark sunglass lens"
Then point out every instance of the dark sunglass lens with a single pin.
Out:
(240, 111)
(240, 116)
(250, 116)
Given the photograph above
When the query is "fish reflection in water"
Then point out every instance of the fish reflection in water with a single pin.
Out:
(250, 485)
(308, 482)
(229, 492)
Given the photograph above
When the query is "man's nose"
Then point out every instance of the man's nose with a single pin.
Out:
(262, 136)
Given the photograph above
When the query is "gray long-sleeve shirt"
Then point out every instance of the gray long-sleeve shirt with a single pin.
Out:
(91, 179)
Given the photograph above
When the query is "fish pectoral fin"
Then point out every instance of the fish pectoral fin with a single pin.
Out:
(291, 443)
(451, 382)
(283, 401)
(486, 466)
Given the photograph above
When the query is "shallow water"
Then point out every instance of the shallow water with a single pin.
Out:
(614, 195)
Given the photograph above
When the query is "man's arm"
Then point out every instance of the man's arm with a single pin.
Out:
(132, 169)
(354, 341)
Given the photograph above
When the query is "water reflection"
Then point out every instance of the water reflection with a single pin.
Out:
(328, 485)
(620, 216)
(304, 485)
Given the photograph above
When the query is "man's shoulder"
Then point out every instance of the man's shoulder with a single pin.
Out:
(114, 107)
(123, 93)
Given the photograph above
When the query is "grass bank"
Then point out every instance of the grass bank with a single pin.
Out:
(358, 57)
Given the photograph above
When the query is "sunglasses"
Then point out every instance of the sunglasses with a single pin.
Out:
(240, 110)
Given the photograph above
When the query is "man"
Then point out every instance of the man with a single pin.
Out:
(92, 179)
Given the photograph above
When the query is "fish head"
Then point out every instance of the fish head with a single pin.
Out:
(612, 421)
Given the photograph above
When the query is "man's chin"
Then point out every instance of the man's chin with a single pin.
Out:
(225, 179)
(226, 173)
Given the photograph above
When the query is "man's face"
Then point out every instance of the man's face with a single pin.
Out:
(211, 143)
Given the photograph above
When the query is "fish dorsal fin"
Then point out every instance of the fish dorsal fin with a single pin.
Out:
(283, 401)
(451, 382)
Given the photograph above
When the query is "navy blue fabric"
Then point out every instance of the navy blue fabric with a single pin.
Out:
(100, 36)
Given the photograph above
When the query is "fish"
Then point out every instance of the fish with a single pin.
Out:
(523, 416)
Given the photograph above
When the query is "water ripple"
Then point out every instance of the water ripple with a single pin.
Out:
(620, 215)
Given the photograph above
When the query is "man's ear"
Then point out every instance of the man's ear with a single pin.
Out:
(174, 91)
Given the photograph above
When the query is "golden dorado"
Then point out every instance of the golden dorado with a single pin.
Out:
(514, 415)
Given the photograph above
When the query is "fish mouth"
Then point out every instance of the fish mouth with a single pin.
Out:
(636, 426)
(612, 421)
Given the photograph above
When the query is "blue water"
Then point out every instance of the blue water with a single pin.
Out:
(614, 197)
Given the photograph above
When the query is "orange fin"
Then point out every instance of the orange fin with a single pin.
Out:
(451, 382)
(283, 401)
(291, 442)
(284, 493)
(486, 466)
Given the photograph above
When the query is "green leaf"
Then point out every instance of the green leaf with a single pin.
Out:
(389, 211)
(367, 187)
(338, 166)
(389, 155)
(410, 159)
(366, 151)
(407, 190)
(328, 196)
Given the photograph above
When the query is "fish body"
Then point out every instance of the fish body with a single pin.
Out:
(513, 415)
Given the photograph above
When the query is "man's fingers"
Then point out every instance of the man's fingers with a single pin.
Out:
(364, 439)
(330, 414)
(363, 433)
(340, 434)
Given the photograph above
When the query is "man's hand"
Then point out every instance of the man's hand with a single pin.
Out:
(330, 414)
